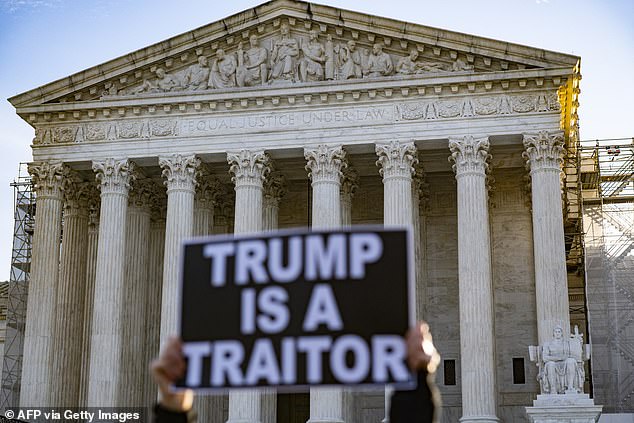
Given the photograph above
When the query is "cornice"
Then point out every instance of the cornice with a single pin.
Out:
(316, 93)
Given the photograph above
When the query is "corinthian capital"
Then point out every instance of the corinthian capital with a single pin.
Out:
(142, 193)
(349, 182)
(248, 167)
(274, 188)
(114, 176)
(543, 150)
(396, 159)
(179, 172)
(207, 188)
(469, 154)
(48, 178)
(324, 163)
(421, 187)
(77, 194)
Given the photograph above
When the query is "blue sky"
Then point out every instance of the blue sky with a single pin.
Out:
(44, 40)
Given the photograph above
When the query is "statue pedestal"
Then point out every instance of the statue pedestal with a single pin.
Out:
(564, 408)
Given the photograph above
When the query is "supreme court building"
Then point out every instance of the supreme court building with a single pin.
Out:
(295, 114)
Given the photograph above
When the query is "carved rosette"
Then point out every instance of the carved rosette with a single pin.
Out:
(48, 178)
(543, 150)
(470, 155)
(179, 172)
(325, 163)
(248, 167)
(142, 193)
(114, 176)
(349, 182)
(396, 160)
(274, 188)
(207, 188)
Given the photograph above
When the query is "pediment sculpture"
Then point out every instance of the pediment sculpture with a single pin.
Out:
(561, 363)
(288, 59)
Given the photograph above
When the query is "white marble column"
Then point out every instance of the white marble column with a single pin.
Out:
(105, 380)
(396, 161)
(420, 205)
(470, 156)
(207, 190)
(89, 294)
(324, 164)
(69, 308)
(180, 179)
(208, 407)
(135, 292)
(155, 278)
(47, 179)
(349, 184)
(248, 168)
(274, 190)
(543, 154)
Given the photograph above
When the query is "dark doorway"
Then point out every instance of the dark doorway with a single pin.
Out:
(293, 408)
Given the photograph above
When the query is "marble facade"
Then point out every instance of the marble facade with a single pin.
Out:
(295, 114)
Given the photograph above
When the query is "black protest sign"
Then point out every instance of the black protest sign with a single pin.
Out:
(296, 308)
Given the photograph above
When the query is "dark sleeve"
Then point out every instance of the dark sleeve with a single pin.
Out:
(163, 415)
(415, 406)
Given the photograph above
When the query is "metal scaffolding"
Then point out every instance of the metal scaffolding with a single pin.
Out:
(24, 200)
(607, 187)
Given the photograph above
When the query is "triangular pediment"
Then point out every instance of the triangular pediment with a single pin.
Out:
(285, 43)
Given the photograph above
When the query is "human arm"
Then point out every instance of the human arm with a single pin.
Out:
(420, 405)
(169, 367)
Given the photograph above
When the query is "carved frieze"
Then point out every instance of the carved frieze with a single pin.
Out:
(432, 109)
(479, 106)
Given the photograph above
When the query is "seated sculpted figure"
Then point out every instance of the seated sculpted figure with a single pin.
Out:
(197, 75)
(164, 82)
(311, 66)
(253, 66)
(563, 364)
(350, 59)
(284, 57)
(223, 70)
(407, 65)
(379, 63)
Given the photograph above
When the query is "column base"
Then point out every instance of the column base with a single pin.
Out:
(564, 408)
(325, 420)
(479, 419)
(242, 421)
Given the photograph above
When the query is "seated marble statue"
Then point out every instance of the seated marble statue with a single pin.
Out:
(407, 65)
(252, 64)
(379, 63)
(311, 66)
(223, 70)
(197, 75)
(164, 82)
(562, 371)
